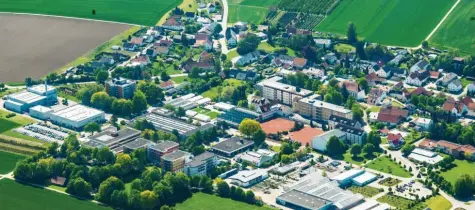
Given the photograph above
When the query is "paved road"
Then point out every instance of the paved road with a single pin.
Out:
(224, 24)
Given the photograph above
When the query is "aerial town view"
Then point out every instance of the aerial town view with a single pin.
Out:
(237, 104)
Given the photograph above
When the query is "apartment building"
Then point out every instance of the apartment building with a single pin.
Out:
(175, 161)
(274, 90)
(155, 151)
(121, 87)
(319, 110)
(201, 164)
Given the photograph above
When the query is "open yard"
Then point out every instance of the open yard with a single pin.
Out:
(251, 11)
(385, 165)
(214, 92)
(463, 167)
(366, 191)
(390, 22)
(400, 202)
(201, 201)
(438, 203)
(144, 12)
(457, 30)
(207, 112)
(8, 161)
(18, 196)
(56, 42)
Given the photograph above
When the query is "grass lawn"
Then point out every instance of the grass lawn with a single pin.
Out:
(275, 148)
(250, 11)
(390, 22)
(412, 138)
(384, 140)
(180, 79)
(207, 112)
(202, 201)
(232, 54)
(457, 30)
(439, 203)
(366, 191)
(344, 48)
(463, 167)
(400, 202)
(170, 70)
(62, 189)
(18, 196)
(374, 109)
(213, 92)
(9, 161)
(465, 81)
(397, 104)
(358, 160)
(145, 12)
(16, 119)
(389, 182)
(385, 165)
(8, 124)
(269, 48)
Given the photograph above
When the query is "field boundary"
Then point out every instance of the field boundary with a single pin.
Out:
(68, 17)
(443, 20)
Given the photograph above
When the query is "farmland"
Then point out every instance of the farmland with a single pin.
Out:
(391, 22)
(201, 201)
(457, 30)
(147, 12)
(251, 11)
(312, 6)
(13, 196)
(22, 56)
(9, 161)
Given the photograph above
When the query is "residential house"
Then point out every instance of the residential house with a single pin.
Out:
(420, 65)
(398, 72)
(141, 61)
(203, 20)
(352, 135)
(249, 58)
(151, 52)
(334, 120)
(428, 144)
(173, 23)
(395, 141)
(242, 75)
(262, 28)
(447, 79)
(314, 73)
(203, 40)
(320, 142)
(417, 78)
(231, 37)
(458, 62)
(242, 26)
(381, 72)
(396, 60)
(456, 150)
(205, 63)
(392, 115)
(468, 102)
(166, 85)
(323, 43)
(376, 96)
(434, 75)
(354, 89)
(455, 86)
(373, 79)
(471, 87)
(211, 8)
(418, 91)
(422, 123)
(456, 108)
(190, 15)
(330, 58)
(138, 41)
(129, 46)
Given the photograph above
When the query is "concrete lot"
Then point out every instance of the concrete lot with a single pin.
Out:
(33, 46)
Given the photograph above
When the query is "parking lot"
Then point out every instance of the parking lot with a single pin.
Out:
(45, 132)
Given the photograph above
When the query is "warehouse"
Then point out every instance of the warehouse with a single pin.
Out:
(232, 146)
(113, 139)
(346, 178)
(77, 116)
(36, 95)
(249, 178)
(421, 156)
(318, 192)
(169, 124)
(40, 112)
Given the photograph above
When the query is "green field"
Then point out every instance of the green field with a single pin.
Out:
(385, 165)
(213, 92)
(142, 12)
(201, 201)
(457, 31)
(439, 203)
(400, 202)
(14, 196)
(390, 22)
(366, 191)
(207, 112)
(251, 11)
(463, 167)
(8, 161)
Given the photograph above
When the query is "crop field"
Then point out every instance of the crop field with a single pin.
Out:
(56, 42)
(9, 161)
(457, 31)
(142, 12)
(251, 11)
(390, 22)
(18, 196)
(312, 6)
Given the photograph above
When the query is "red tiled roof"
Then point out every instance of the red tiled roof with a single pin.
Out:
(277, 125)
(428, 143)
(448, 144)
(351, 86)
(136, 40)
(434, 74)
(450, 104)
(392, 136)
(468, 149)
(305, 135)
(166, 84)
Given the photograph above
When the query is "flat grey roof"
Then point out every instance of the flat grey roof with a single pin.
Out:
(138, 143)
(232, 144)
(77, 113)
(169, 124)
(111, 135)
(303, 199)
(175, 155)
(165, 145)
(200, 159)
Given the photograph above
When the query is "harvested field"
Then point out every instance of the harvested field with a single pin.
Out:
(33, 46)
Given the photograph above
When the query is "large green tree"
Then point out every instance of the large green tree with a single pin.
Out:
(249, 127)
(248, 44)
(335, 147)
(139, 102)
(351, 33)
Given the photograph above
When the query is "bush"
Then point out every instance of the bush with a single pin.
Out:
(10, 115)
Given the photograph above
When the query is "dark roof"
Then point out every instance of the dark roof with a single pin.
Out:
(421, 75)
(111, 135)
(232, 144)
(349, 129)
(190, 14)
(175, 155)
(165, 145)
(138, 143)
(200, 159)
(395, 70)
(303, 200)
(343, 121)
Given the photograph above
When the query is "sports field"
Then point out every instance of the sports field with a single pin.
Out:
(14, 196)
(390, 22)
(142, 12)
(457, 31)
(251, 11)
(8, 161)
(202, 201)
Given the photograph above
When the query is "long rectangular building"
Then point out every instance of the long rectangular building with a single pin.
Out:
(274, 90)
(113, 138)
(169, 124)
(319, 110)
(77, 116)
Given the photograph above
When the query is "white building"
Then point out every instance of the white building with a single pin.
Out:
(421, 155)
(257, 158)
(455, 86)
(40, 112)
(423, 123)
(249, 177)
(272, 89)
(36, 95)
(201, 164)
(77, 116)
(320, 142)
(327, 43)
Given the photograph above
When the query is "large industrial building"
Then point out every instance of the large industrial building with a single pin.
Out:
(248, 178)
(44, 95)
(189, 101)
(274, 90)
(169, 124)
(113, 139)
(121, 87)
(232, 146)
(319, 110)
(77, 116)
(318, 192)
